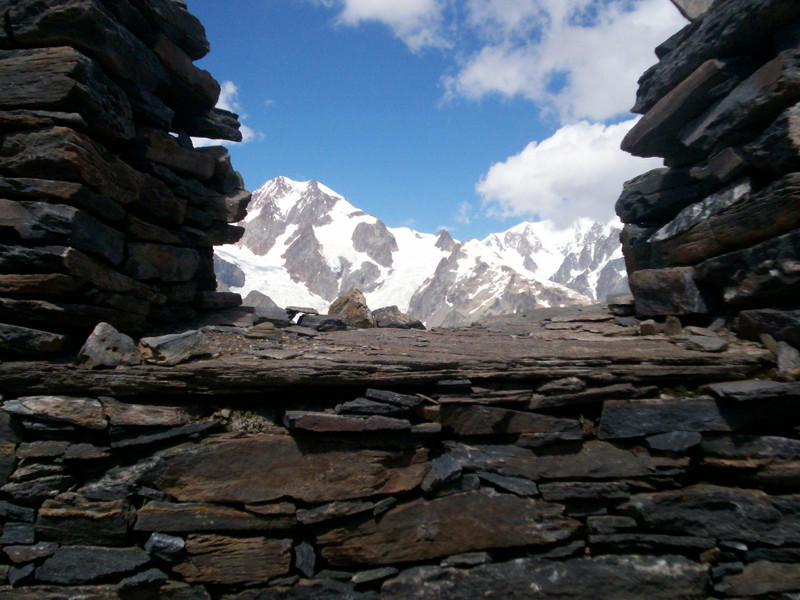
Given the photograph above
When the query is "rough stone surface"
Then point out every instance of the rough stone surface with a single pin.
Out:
(82, 412)
(353, 307)
(174, 348)
(107, 347)
(224, 560)
(75, 565)
(455, 524)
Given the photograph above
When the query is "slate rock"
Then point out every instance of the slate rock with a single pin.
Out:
(703, 343)
(783, 325)
(578, 490)
(17, 533)
(305, 558)
(754, 390)
(151, 578)
(170, 264)
(364, 406)
(352, 306)
(82, 412)
(393, 318)
(693, 9)
(169, 517)
(719, 513)
(107, 347)
(75, 565)
(655, 197)
(454, 524)
(29, 553)
(374, 575)
(190, 88)
(741, 446)
(323, 322)
(266, 467)
(661, 292)
(82, 522)
(333, 510)
(444, 469)
(619, 577)
(56, 592)
(649, 543)
(27, 342)
(632, 418)
(515, 485)
(674, 441)
(469, 559)
(12, 512)
(777, 151)
(275, 315)
(470, 419)
(605, 525)
(760, 578)
(124, 414)
(174, 348)
(165, 547)
(221, 560)
(20, 574)
(402, 400)
(788, 360)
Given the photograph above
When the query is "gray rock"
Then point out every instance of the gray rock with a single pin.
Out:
(12, 512)
(788, 360)
(305, 559)
(151, 578)
(761, 578)
(706, 344)
(515, 485)
(175, 348)
(693, 9)
(648, 327)
(27, 342)
(568, 385)
(606, 525)
(755, 390)
(392, 317)
(561, 491)
(672, 326)
(619, 577)
(166, 547)
(19, 574)
(81, 412)
(783, 325)
(323, 322)
(444, 469)
(107, 347)
(29, 553)
(374, 575)
(661, 292)
(364, 406)
(271, 314)
(470, 559)
(74, 565)
(654, 198)
(17, 533)
(333, 510)
(633, 418)
(403, 400)
(674, 441)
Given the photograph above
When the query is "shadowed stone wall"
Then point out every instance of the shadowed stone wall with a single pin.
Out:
(105, 215)
(717, 230)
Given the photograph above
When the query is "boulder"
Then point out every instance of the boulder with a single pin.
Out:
(352, 306)
(174, 348)
(392, 317)
(661, 292)
(781, 324)
(324, 322)
(107, 347)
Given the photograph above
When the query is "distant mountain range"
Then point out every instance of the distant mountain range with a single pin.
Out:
(304, 244)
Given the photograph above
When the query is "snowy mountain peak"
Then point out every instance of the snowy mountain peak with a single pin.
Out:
(305, 244)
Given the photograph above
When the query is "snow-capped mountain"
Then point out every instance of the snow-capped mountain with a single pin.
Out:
(304, 244)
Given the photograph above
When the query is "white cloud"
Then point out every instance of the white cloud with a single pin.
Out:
(576, 58)
(464, 214)
(416, 22)
(577, 172)
(229, 100)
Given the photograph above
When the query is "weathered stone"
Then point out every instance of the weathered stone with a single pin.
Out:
(374, 575)
(758, 448)
(649, 543)
(50, 285)
(403, 400)
(755, 390)
(353, 307)
(393, 318)
(648, 327)
(444, 469)
(723, 166)
(661, 292)
(632, 418)
(454, 524)
(24, 341)
(191, 89)
(174, 348)
(20, 574)
(62, 153)
(170, 264)
(655, 197)
(146, 580)
(364, 406)
(165, 547)
(656, 133)
(739, 27)
(324, 422)
(333, 510)
(168, 517)
(559, 492)
(162, 148)
(605, 525)
(216, 559)
(741, 224)
(267, 467)
(674, 441)
(590, 396)
(143, 415)
(53, 223)
(468, 559)
(541, 440)
(470, 419)
(568, 385)
(703, 343)
(777, 150)
(693, 9)
(761, 577)
(618, 577)
(74, 82)
(126, 440)
(107, 347)
(39, 592)
(788, 360)
(25, 554)
(720, 513)
(591, 460)
(16, 513)
(17, 533)
(75, 565)
(216, 124)
(84, 522)
(83, 412)
(753, 103)
(515, 485)
(305, 558)
(783, 325)
(323, 322)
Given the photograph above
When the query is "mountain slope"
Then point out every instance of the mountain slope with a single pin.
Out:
(305, 244)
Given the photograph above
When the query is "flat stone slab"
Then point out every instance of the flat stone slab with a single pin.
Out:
(512, 348)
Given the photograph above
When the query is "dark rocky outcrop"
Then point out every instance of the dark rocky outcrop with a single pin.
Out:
(92, 94)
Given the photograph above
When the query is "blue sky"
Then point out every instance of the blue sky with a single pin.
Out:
(467, 114)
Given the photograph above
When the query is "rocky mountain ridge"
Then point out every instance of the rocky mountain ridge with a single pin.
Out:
(305, 244)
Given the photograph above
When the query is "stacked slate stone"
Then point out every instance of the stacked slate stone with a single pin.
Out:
(107, 212)
(718, 229)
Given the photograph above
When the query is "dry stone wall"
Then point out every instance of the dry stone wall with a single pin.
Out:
(107, 212)
(718, 229)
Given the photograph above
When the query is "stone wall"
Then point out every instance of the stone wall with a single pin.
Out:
(104, 214)
(281, 474)
(718, 229)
